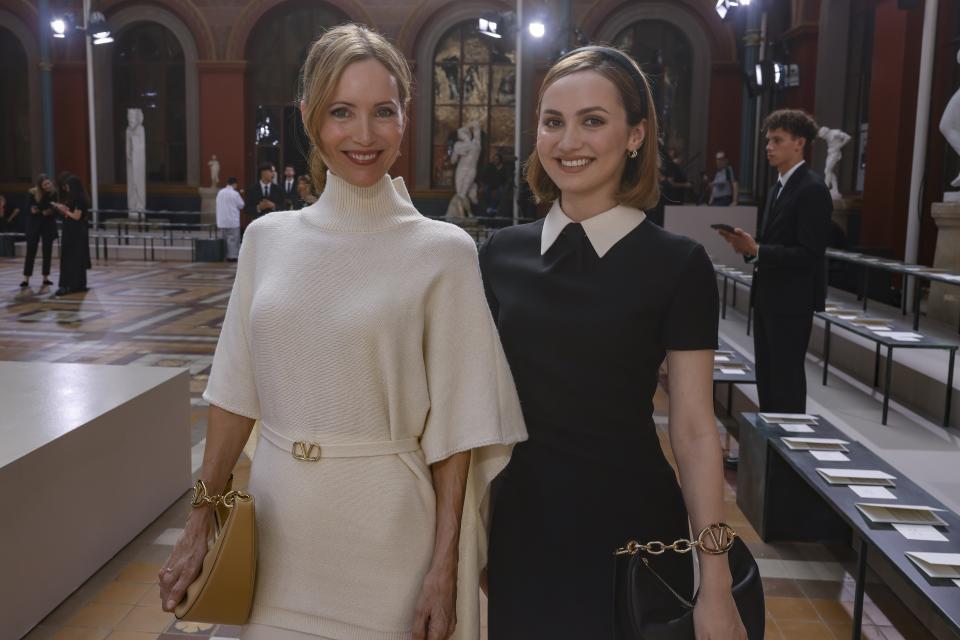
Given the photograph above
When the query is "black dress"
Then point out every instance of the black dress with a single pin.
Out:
(585, 337)
(74, 250)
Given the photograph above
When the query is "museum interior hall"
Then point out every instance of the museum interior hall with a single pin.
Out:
(216, 286)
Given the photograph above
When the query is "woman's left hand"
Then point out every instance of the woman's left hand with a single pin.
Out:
(436, 614)
(715, 617)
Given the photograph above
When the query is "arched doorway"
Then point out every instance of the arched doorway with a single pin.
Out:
(149, 74)
(473, 80)
(277, 47)
(15, 156)
(666, 56)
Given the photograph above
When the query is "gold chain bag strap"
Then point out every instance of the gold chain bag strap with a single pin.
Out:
(647, 607)
(223, 592)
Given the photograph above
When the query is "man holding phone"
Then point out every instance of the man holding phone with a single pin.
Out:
(789, 282)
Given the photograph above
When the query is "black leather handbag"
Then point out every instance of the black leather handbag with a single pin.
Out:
(646, 607)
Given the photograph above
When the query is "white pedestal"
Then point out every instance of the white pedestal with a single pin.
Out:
(90, 455)
(944, 302)
(208, 205)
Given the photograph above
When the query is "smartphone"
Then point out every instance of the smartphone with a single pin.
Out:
(723, 227)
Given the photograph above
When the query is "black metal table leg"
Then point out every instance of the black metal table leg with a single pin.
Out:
(904, 286)
(886, 384)
(826, 350)
(946, 411)
(858, 592)
(723, 304)
(876, 367)
(916, 304)
(749, 318)
(734, 301)
(730, 400)
(866, 289)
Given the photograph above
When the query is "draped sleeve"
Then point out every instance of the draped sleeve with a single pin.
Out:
(473, 405)
(232, 384)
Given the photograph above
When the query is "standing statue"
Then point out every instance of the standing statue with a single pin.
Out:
(836, 139)
(950, 125)
(136, 164)
(465, 154)
(214, 165)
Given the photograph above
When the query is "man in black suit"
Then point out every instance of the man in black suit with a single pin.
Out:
(262, 196)
(789, 279)
(289, 186)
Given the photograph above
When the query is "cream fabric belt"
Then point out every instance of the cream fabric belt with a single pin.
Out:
(313, 451)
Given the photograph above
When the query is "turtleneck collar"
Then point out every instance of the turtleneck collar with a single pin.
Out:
(345, 207)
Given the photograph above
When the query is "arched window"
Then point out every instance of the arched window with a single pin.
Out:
(473, 80)
(14, 110)
(148, 74)
(666, 56)
(276, 51)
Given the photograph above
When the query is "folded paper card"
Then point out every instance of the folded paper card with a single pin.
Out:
(937, 565)
(920, 532)
(857, 476)
(902, 513)
(830, 456)
(814, 444)
(797, 428)
(780, 418)
(874, 493)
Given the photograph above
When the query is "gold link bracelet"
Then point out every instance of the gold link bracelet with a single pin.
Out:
(200, 497)
(720, 540)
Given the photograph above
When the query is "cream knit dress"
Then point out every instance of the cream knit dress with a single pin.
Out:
(356, 321)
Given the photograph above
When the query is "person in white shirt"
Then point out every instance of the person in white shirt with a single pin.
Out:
(229, 206)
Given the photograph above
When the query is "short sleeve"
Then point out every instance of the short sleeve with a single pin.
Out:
(691, 319)
(473, 400)
(232, 385)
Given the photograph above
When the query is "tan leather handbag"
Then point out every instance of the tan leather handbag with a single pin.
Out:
(223, 593)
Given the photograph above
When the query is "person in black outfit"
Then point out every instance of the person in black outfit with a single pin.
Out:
(263, 196)
(74, 245)
(589, 301)
(289, 188)
(789, 282)
(41, 226)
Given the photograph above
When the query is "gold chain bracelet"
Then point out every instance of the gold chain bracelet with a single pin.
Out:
(714, 539)
(200, 497)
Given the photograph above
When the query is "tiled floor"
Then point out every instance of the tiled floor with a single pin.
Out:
(169, 314)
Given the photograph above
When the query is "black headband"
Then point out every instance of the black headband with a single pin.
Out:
(623, 61)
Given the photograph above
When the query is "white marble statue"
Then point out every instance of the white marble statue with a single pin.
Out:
(836, 139)
(214, 165)
(465, 154)
(950, 125)
(136, 163)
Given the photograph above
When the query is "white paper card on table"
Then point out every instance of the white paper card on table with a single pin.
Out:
(830, 456)
(814, 444)
(797, 428)
(803, 418)
(733, 372)
(906, 336)
(876, 493)
(717, 358)
(957, 582)
(920, 532)
(937, 565)
(901, 513)
(857, 476)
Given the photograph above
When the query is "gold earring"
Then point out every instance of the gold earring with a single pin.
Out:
(633, 154)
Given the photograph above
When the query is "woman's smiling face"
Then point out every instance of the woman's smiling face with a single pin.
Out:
(583, 137)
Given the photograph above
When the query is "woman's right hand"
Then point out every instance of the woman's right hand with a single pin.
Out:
(184, 564)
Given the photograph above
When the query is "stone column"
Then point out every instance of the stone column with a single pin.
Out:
(944, 302)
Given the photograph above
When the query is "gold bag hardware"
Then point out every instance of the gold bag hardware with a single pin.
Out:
(223, 592)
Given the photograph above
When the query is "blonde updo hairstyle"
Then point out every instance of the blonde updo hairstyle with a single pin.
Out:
(639, 184)
(333, 52)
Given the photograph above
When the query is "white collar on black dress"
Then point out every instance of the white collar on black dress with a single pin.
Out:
(603, 230)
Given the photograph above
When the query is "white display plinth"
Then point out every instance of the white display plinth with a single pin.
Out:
(89, 456)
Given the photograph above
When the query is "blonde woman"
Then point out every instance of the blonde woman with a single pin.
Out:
(589, 301)
(361, 326)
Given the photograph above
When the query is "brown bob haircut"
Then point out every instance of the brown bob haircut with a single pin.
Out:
(797, 123)
(329, 55)
(639, 184)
